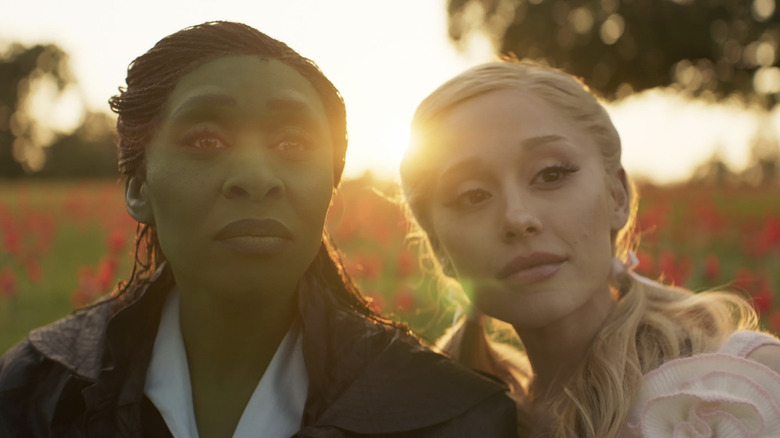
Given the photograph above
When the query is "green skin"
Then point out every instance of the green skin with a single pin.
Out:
(240, 138)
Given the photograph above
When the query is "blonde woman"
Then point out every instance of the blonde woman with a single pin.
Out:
(514, 176)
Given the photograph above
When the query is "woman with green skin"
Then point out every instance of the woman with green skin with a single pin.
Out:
(238, 319)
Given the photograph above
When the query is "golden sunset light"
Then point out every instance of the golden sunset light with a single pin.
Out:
(384, 58)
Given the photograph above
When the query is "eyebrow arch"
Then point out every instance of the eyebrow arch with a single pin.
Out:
(536, 142)
(204, 100)
(469, 166)
(289, 104)
(474, 164)
(285, 105)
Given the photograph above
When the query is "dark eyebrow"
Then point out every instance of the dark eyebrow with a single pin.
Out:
(289, 104)
(204, 100)
(209, 100)
(473, 165)
(282, 108)
(297, 110)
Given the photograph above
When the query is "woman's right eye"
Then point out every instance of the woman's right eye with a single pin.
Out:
(203, 139)
(208, 143)
(471, 198)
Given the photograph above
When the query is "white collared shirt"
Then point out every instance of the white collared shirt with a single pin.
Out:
(275, 408)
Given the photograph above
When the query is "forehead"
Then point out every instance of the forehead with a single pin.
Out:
(245, 81)
(503, 122)
(502, 113)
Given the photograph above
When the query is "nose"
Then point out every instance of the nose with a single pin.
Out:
(520, 220)
(253, 174)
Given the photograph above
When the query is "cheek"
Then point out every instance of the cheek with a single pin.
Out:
(175, 192)
(313, 190)
(465, 243)
(593, 237)
(317, 203)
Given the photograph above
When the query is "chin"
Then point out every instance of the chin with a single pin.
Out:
(527, 313)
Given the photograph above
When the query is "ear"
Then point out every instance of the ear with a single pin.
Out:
(621, 199)
(136, 201)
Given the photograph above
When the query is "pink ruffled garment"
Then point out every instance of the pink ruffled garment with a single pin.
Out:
(721, 394)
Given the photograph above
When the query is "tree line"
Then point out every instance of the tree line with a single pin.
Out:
(30, 147)
(708, 49)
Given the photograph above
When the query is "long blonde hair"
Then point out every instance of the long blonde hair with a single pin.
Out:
(651, 323)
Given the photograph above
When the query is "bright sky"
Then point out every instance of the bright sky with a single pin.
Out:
(383, 56)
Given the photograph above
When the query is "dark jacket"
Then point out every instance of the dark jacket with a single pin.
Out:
(83, 376)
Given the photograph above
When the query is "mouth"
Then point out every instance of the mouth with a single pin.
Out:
(260, 237)
(532, 267)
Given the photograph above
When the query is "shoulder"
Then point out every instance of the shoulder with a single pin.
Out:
(68, 341)
(404, 358)
(24, 389)
(19, 366)
(31, 388)
(368, 377)
(760, 347)
(74, 341)
(708, 388)
(767, 355)
(407, 387)
(494, 417)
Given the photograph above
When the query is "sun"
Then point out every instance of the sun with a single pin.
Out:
(377, 144)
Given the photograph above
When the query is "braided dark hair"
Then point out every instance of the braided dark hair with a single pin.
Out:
(152, 77)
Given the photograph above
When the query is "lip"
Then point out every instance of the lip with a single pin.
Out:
(261, 237)
(531, 268)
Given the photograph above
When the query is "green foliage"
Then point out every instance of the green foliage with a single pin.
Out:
(87, 152)
(22, 69)
(706, 47)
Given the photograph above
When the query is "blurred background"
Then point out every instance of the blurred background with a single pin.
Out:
(692, 87)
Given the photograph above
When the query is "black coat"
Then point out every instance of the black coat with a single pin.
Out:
(83, 376)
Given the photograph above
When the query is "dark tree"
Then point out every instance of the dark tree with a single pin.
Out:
(21, 70)
(87, 152)
(711, 48)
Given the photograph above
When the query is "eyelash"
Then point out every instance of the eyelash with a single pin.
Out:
(565, 169)
(299, 138)
(191, 137)
(463, 200)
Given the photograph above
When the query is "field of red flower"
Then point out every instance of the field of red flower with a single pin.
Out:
(63, 244)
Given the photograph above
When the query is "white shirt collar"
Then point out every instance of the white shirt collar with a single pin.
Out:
(275, 407)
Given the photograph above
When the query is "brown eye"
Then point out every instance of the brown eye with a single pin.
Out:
(291, 146)
(203, 139)
(477, 196)
(471, 198)
(554, 174)
(551, 174)
(208, 143)
(295, 144)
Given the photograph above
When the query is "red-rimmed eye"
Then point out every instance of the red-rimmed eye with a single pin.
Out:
(208, 143)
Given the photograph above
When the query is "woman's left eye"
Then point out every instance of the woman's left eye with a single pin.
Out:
(291, 145)
(295, 145)
(553, 174)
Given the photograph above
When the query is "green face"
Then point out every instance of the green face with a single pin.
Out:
(239, 177)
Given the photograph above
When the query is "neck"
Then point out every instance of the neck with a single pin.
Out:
(557, 349)
(230, 343)
(236, 338)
